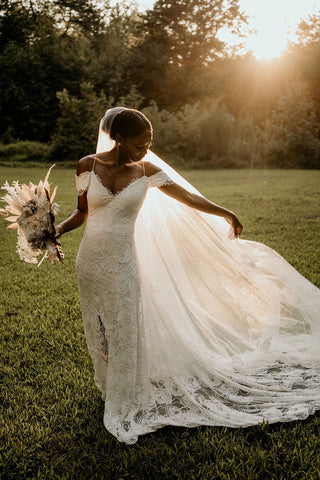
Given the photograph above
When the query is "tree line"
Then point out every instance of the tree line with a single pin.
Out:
(64, 62)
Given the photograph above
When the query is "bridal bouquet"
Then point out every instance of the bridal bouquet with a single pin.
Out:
(32, 213)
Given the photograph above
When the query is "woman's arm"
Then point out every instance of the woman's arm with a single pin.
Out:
(203, 204)
(76, 219)
(193, 200)
(80, 214)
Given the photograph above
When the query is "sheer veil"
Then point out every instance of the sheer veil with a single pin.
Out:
(221, 305)
(243, 292)
(228, 322)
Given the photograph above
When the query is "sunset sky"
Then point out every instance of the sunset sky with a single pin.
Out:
(274, 20)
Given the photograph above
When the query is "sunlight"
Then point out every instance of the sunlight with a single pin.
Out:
(276, 22)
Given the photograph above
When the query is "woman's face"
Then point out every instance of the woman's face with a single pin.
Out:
(136, 148)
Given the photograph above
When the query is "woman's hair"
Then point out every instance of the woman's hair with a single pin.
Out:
(130, 123)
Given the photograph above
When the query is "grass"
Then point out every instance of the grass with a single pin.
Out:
(52, 416)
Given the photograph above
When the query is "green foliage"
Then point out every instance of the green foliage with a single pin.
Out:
(175, 133)
(306, 53)
(293, 130)
(64, 62)
(24, 151)
(202, 138)
(109, 65)
(216, 136)
(31, 76)
(77, 127)
(178, 43)
(52, 417)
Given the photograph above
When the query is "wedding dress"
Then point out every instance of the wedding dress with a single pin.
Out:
(186, 326)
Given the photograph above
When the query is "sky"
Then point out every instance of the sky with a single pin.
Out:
(274, 20)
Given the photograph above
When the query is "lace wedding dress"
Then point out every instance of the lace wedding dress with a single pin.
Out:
(208, 331)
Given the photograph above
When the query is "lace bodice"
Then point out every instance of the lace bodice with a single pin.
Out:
(117, 211)
(105, 195)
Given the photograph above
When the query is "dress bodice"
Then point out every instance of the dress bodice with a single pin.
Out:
(116, 211)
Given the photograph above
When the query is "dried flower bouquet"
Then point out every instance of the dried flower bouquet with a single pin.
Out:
(32, 213)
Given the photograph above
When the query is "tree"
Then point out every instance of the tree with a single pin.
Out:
(31, 76)
(43, 50)
(69, 16)
(16, 23)
(309, 29)
(179, 40)
(306, 53)
(109, 67)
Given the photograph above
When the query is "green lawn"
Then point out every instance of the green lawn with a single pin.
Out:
(51, 423)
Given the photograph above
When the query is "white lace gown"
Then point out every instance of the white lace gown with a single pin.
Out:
(182, 354)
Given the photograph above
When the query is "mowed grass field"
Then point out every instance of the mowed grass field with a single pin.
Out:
(51, 420)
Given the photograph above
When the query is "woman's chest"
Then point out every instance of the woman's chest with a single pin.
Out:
(129, 199)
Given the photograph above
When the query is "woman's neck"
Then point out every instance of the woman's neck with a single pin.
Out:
(116, 159)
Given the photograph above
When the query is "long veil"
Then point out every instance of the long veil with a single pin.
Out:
(228, 308)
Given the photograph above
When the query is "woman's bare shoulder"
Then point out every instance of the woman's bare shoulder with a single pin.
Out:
(151, 169)
(85, 164)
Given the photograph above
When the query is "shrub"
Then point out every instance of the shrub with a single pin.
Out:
(198, 138)
(78, 124)
(24, 151)
(174, 133)
(291, 135)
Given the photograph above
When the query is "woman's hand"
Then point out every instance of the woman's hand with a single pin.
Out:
(59, 231)
(236, 225)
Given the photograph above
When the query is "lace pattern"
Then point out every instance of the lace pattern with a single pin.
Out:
(158, 179)
(82, 182)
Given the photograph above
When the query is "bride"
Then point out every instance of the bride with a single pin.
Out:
(185, 323)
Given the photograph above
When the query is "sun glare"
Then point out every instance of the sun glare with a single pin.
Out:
(275, 22)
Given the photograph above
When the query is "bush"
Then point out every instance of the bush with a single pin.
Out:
(194, 137)
(78, 125)
(175, 134)
(198, 138)
(24, 151)
(291, 135)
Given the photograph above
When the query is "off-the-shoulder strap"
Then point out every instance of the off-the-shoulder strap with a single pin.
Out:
(159, 179)
(94, 162)
(82, 182)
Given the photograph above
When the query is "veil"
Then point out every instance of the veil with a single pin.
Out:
(227, 331)
(241, 296)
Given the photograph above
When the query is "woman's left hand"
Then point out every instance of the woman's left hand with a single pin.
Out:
(59, 231)
(236, 226)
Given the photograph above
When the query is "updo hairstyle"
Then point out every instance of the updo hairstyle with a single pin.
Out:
(130, 123)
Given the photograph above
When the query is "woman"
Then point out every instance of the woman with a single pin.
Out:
(184, 325)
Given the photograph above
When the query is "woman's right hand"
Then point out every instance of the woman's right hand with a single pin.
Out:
(236, 226)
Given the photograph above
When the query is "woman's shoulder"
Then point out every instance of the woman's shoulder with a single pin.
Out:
(85, 164)
(151, 169)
